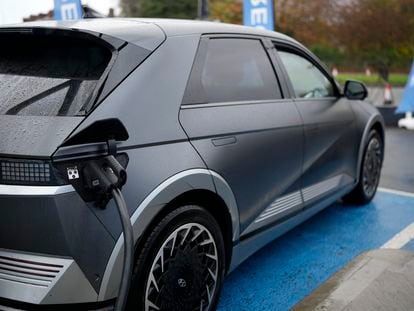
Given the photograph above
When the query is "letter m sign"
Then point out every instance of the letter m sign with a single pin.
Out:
(68, 9)
(258, 13)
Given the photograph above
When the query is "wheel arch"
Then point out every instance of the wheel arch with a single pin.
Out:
(195, 186)
(376, 122)
(380, 129)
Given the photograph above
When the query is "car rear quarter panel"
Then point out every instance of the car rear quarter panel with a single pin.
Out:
(147, 103)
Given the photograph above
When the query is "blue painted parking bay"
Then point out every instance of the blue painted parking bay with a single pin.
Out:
(290, 268)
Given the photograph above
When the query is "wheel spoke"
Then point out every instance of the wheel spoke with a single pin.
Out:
(162, 260)
(149, 305)
(212, 274)
(205, 242)
(196, 235)
(173, 244)
(185, 235)
(153, 281)
(214, 257)
(208, 294)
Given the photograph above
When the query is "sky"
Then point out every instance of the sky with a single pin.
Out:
(13, 11)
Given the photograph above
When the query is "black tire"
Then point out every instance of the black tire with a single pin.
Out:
(179, 265)
(370, 171)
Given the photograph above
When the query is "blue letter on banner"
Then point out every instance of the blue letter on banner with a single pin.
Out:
(258, 13)
(68, 10)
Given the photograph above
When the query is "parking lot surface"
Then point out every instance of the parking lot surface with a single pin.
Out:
(287, 270)
(398, 168)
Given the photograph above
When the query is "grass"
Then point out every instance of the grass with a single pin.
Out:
(396, 79)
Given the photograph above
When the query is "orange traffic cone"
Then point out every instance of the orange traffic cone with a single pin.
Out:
(388, 94)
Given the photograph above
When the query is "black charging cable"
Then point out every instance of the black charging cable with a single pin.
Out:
(128, 249)
(104, 178)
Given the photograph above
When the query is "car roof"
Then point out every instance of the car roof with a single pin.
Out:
(179, 27)
(145, 30)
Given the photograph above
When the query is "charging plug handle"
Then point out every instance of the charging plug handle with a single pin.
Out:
(117, 169)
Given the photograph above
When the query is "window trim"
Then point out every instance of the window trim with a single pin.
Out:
(301, 52)
(194, 85)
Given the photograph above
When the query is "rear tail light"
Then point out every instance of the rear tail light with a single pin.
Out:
(28, 172)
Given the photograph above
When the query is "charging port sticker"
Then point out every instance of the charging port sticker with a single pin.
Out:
(73, 173)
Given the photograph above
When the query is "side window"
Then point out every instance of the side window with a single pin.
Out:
(307, 80)
(233, 70)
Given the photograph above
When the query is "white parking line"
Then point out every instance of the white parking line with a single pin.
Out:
(397, 192)
(401, 238)
(407, 234)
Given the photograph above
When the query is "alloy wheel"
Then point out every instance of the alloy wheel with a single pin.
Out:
(372, 166)
(184, 273)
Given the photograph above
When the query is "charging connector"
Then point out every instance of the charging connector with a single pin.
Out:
(101, 176)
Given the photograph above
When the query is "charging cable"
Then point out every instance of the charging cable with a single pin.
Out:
(104, 178)
(128, 249)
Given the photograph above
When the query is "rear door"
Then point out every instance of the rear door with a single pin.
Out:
(329, 125)
(235, 115)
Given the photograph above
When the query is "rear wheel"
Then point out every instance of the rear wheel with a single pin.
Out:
(181, 266)
(370, 171)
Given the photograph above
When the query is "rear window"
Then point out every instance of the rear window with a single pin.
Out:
(49, 75)
(238, 70)
(232, 69)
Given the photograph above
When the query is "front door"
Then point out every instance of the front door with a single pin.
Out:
(329, 126)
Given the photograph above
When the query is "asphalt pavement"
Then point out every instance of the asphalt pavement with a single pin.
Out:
(283, 273)
(398, 168)
(376, 95)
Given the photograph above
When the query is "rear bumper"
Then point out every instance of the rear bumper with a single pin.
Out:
(53, 248)
(42, 280)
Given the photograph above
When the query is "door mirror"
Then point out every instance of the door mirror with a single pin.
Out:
(355, 90)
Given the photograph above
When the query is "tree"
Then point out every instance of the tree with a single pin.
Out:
(227, 11)
(129, 8)
(310, 22)
(350, 34)
(160, 8)
(378, 32)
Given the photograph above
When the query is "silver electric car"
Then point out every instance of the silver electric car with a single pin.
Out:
(230, 137)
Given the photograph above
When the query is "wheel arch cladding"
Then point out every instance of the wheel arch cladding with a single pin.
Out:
(375, 122)
(380, 129)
